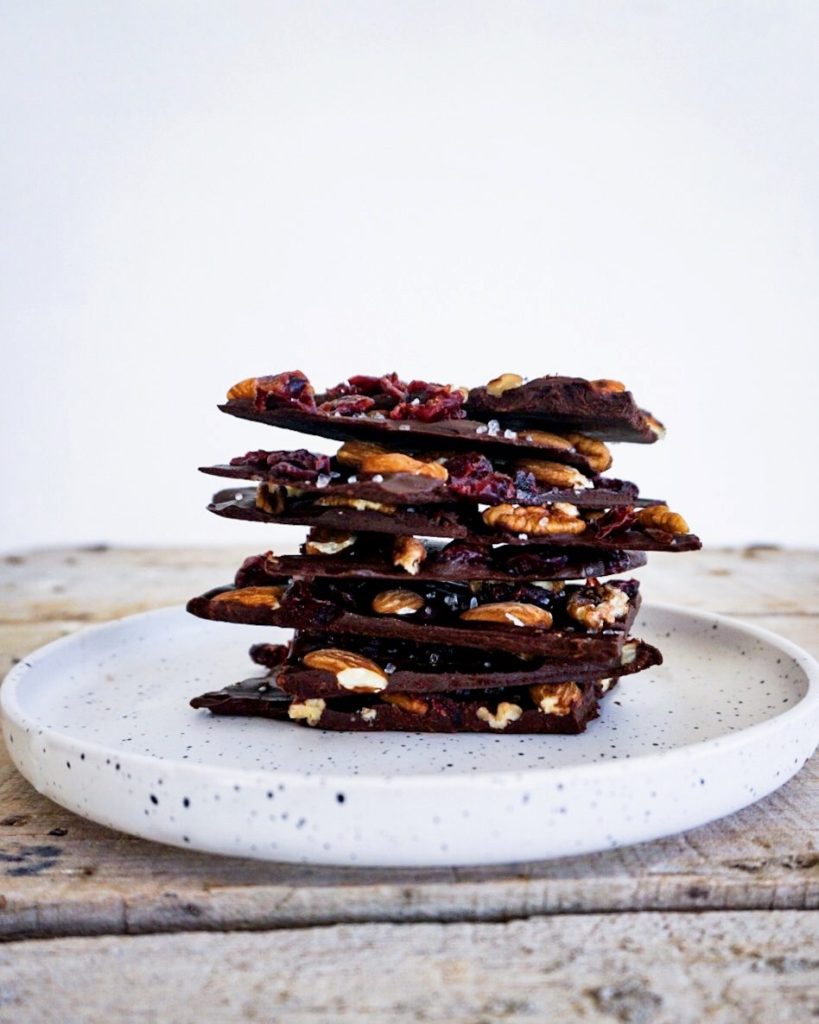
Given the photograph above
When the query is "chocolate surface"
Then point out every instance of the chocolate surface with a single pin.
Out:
(448, 521)
(567, 403)
(348, 608)
(507, 712)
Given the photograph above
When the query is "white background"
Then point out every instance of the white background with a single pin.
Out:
(197, 192)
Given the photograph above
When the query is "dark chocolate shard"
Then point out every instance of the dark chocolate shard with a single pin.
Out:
(571, 622)
(372, 555)
(566, 708)
(616, 528)
(400, 666)
(402, 435)
(602, 409)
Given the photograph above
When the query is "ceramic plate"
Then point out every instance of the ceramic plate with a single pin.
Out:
(99, 722)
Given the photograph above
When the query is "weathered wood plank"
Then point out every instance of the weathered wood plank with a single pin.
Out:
(92, 881)
(711, 968)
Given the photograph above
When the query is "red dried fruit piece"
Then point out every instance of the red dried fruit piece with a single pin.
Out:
(347, 405)
(253, 571)
(463, 552)
(472, 476)
(289, 388)
(287, 465)
(614, 520)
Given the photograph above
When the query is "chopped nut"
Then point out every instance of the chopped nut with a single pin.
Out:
(414, 705)
(409, 553)
(597, 607)
(359, 504)
(554, 473)
(660, 517)
(397, 602)
(268, 597)
(556, 698)
(368, 714)
(553, 586)
(628, 655)
(353, 453)
(506, 382)
(515, 612)
(538, 521)
(309, 710)
(605, 685)
(547, 440)
(244, 389)
(608, 386)
(655, 426)
(505, 714)
(352, 671)
(271, 499)
(394, 462)
(596, 452)
(329, 542)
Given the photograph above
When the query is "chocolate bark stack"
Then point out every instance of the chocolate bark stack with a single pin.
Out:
(451, 579)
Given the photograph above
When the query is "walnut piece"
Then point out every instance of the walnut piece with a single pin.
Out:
(516, 613)
(352, 671)
(244, 389)
(506, 382)
(660, 517)
(328, 542)
(597, 607)
(409, 553)
(353, 453)
(397, 602)
(555, 474)
(610, 387)
(414, 705)
(359, 504)
(368, 714)
(505, 714)
(556, 698)
(267, 597)
(596, 452)
(536, 520)
(394, 462)
(309, 710)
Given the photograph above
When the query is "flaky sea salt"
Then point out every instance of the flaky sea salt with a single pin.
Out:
(389, 668)
(511, 434)
(378, 479)
(322, 480)
(481, 429)
(493, 428)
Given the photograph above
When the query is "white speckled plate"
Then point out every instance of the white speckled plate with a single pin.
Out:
(100, 722)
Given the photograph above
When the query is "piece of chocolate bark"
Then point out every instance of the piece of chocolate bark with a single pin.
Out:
(597, 408)
(553, 619)
(367, 472)
(365, 555)
(405, 416)
(565, 707)
(328, 664)
(650, 528)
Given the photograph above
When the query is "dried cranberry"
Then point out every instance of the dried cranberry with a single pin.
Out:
(463, 552)
(527, 593)
(269, 655)
(253, 572)
(520, 562)
(294, 465)
(614, 520)
(472, 476)
(347, 405)
(255, 459)
(289, 388)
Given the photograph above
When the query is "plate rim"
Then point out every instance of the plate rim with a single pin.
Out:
(11, 711)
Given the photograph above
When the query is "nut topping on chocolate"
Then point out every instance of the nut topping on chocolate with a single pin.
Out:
(505, 382)
(409, 553)
(414, 705)
(266, 597)
(516, 613)
(352, 671)
(610, 387)
(393, 462)
(505, 714)
(535, 520)
(353, 453)
(660, 517)
(397, 602)
(555, 474)
(597, 453)
(556, 698)
(598, 607)
(324, 541)
(244, 389)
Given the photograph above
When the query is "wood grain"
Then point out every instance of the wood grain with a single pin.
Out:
(663, 968)
(62, 875)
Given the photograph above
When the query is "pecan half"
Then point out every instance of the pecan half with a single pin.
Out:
(244, 389)
(609, 387)
(352, 671)
(547, 440)
(556, 698)
(555, 474)
(596, 452)
(660, 517)
(535, 520)
(515, 613)
(353, 453)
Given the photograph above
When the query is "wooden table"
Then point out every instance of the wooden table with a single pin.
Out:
(719, 924)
